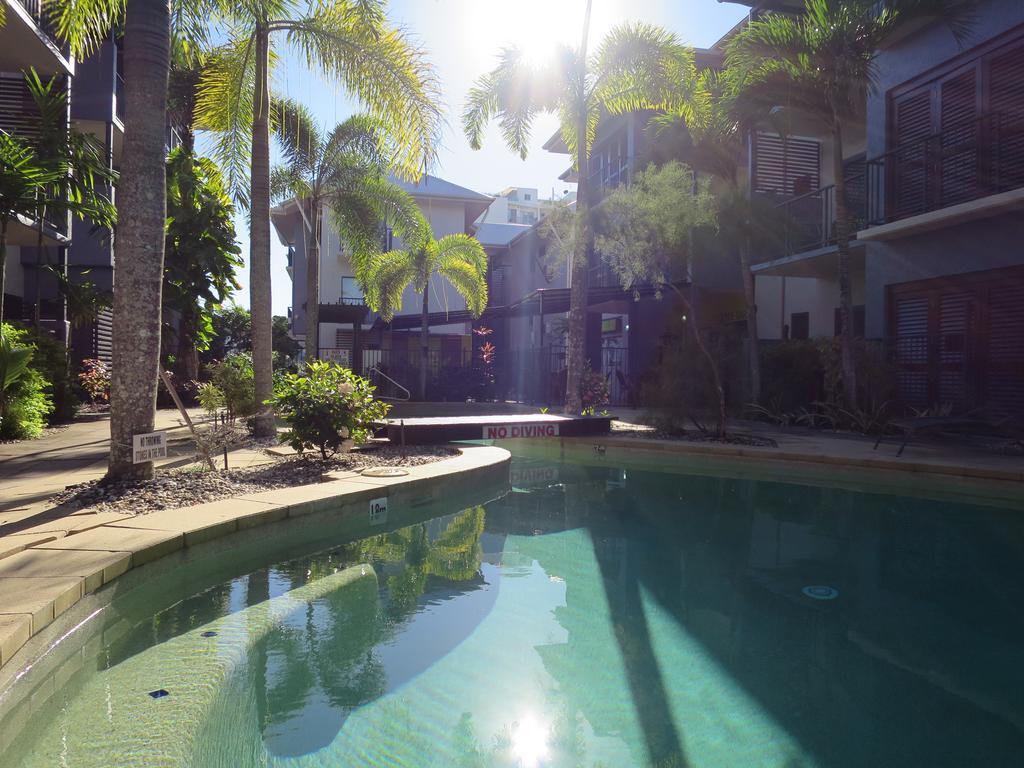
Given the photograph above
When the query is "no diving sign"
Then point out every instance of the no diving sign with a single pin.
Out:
(505, 431)
(149, 447)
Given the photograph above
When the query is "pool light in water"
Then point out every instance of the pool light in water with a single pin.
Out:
(818, 592)
(529, 742)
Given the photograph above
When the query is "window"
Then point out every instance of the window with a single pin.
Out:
(350, 291)
(526, 196)
(800, 325)
(786, 166)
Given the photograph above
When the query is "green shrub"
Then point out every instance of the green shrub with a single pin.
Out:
(24, 403)
(324, 406)
(50, 360)
(231, 388)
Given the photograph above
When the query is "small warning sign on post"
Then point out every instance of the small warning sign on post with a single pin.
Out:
(149, 447)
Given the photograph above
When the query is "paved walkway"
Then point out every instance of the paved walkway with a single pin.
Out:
(32, 471)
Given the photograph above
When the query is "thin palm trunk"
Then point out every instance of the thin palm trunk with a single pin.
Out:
(3, 261)
(188, 356)
(843, 250)
(139, 246)
(580, 273)
(313, 282)
(753, 344)
(424, 341)
(259, 240)
(36, 312)
(716, 380)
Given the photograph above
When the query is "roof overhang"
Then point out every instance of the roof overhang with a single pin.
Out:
(819, 263)
(23, 45)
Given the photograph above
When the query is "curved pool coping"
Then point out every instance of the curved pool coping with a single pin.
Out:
(41, 582)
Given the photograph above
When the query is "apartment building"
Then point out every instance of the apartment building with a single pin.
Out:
(95, 87)
(27, 42)
(936, 182)
(349, 332)
(517, 205)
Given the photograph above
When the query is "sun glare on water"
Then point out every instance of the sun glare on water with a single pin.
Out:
(529, 743)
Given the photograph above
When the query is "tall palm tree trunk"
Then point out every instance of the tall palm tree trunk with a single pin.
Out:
(259, 240)
(690, 306)
(4, 220)
(313, 283)
(753, 343)
(139, 245)
(580, 272)
(424, 340)
(845, 290)
(37, 315)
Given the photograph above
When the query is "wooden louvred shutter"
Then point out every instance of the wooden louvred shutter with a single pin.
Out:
(913, 123)
(786, 166)
(1004, 378)
(958, 142)
(910, 331)
(1006, 122)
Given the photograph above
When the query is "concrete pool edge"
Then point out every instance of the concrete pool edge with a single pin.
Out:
(43, 581)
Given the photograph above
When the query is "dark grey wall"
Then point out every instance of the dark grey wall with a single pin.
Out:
(927, 48)
(978, 245)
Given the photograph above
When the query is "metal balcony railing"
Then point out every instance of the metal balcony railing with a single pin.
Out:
(808, 221)
(40, 12)
(966, 162)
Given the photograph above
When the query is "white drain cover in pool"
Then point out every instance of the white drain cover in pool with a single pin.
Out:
(818, 592)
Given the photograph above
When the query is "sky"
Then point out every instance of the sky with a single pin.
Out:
(462, 39)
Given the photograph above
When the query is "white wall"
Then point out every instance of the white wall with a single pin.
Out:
(778, 298)
(445, 217)
(14, 273)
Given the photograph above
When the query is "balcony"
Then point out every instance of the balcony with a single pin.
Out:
(607, 178)
(969, 171)
(808, 222)
(27, 39)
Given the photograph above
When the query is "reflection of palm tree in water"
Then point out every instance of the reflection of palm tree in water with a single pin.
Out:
(324, 657)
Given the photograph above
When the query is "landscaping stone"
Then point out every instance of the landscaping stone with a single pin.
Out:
(195, 485)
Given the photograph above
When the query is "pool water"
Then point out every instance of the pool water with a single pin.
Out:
(596, 615)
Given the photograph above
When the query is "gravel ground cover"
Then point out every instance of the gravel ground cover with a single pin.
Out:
(195, 485)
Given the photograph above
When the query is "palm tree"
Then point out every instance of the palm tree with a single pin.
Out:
(459, 259)
(349, 40)
(141, 199)
(343, 168)
(822, 63)
(202, 256)
(23, 180)
(636, 67)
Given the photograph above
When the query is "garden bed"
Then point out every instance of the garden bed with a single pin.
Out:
(196, 485)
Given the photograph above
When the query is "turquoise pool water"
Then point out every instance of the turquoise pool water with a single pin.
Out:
(593, 616)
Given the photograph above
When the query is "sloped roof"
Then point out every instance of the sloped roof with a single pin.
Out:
(490, 233)
(432, 186)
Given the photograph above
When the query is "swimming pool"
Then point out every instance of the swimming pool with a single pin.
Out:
(598, 614)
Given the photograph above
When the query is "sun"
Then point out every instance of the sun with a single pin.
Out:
(536, 27)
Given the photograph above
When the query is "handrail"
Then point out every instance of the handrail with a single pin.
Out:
(408, 394)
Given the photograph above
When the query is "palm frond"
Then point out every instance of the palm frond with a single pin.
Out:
(224, 106)
(297, 134)
(386, 277)
(286, 183)
(379, 66)
(513, 93)
(85, 24)
(461, 260)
